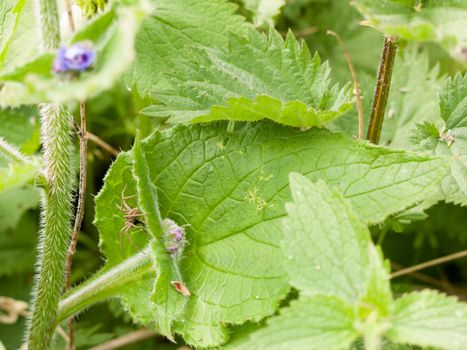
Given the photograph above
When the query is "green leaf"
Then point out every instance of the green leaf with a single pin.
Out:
(442, 21)
(264, 11)
(20, 33)
(207, 177)
(452, 139)
(170, 302)
(429, 318)
(453, 102)
(320, 322)
(325, 244)
(17, 246)
(35, 81)
(329, 251)
(175, 27)
(14, 202)
(20, 127)
(262, 77)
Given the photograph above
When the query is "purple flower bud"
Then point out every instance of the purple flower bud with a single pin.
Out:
(178, 233)
(77, 57)
(174, 237)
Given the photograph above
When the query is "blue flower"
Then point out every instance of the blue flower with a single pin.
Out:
(77, 57)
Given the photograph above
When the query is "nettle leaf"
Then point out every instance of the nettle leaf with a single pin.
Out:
(207, 178)
(331, 260)
(429, 318)
(173, 29)
(112, 35)
(325, 243)
(452, 139)
(321, 322)
(264, 11)
(262, 77)
(413, 97)
(443, 21)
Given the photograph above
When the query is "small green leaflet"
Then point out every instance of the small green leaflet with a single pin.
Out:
(112, 34)
(170, 33)
(234, 268)
(442, 21)
(262, 77)
(452, 139)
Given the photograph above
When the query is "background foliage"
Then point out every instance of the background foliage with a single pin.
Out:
(208, 61)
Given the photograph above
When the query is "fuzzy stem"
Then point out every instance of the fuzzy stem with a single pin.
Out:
(383, 86)
(105, 284)
(56, 203)
(56, 228)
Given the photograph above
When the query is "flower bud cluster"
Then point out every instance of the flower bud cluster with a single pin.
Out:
(174, 236)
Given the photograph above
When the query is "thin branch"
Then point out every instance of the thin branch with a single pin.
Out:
(383, 85)
(69, 11)
(356, 85)
(83, 169)
(98, 141)
(430, 263)
(126, 339)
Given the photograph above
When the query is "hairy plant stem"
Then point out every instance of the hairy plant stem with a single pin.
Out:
(383, 85)
(105, 284)
(56, 228)
(56, 202)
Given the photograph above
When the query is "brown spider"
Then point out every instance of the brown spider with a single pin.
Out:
(131, 216)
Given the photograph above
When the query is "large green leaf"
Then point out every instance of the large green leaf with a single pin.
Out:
(112, 34)
(429, 318)
(321, 322)
(174, 28)
(443, 21)
(207, 177)
(262, 77)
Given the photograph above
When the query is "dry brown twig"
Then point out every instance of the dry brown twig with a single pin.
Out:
(126, 339)
(356, 85)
